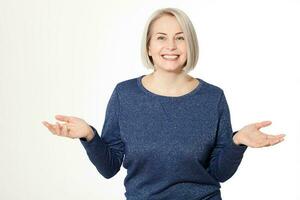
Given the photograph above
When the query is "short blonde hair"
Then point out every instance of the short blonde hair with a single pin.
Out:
(188, 30)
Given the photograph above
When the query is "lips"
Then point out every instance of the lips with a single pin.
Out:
(170, 56)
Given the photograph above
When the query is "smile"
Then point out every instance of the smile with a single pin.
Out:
(170, 57)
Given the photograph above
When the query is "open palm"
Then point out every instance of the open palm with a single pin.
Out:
(73, 127)
(251, 136)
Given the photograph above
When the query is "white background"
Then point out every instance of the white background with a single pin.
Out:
(65, 57)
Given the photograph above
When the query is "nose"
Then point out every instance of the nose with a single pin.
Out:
(171, 44)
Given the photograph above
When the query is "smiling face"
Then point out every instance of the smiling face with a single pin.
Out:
(167, 44)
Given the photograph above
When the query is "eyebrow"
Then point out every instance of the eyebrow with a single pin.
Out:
(166, 34)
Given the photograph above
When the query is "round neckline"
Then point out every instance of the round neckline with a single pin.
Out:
(199, 86)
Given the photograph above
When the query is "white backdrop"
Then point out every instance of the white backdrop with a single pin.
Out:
(65, 57)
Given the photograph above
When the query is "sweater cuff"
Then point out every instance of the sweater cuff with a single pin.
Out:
(93, 143)
(240, 147)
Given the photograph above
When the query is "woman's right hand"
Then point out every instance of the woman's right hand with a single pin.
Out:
(73, 127)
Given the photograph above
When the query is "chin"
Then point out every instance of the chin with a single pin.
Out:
(172, 68)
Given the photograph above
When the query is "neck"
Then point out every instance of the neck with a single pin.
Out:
(169, 80)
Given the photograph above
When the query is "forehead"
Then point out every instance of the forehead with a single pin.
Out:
(166, 24)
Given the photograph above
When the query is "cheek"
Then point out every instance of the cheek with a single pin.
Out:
(156, 48)
(183, 47)
(184, 51)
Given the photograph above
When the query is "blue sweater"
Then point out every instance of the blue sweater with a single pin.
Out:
(174, 148)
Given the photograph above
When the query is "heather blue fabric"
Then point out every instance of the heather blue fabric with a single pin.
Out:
(174, 148)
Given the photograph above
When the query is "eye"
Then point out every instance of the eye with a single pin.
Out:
(160, 37)
(180, 38)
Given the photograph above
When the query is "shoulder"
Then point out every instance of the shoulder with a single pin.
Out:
(216, 95)
(127, 83)
(211, 88)
(127, 86)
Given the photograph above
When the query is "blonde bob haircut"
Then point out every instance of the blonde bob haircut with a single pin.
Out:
(188, 31)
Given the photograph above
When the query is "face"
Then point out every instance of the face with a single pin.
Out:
(167, 45)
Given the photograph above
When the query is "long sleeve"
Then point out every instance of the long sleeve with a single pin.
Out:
(226, 156)
(107, 152)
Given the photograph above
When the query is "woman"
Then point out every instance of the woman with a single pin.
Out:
(173, 129)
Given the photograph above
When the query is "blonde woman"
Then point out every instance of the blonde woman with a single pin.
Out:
(171, 131)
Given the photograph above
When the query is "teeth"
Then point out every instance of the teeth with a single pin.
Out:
(170, 57)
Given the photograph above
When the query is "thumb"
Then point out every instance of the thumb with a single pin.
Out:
(262, 124)
(63, 118)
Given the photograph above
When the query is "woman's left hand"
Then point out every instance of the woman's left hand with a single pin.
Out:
(251, 136)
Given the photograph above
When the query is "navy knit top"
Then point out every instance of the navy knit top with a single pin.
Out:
(174, 148)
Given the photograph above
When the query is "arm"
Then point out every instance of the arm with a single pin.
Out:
(226, 156)
(107, 152)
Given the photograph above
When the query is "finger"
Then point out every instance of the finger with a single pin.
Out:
(268, 142)
(50, 127)
(272, 139)
(262, 124)
(69, 129)
(64, 131)
(275, 141)
(63, 118)
(268, 136)
(45, 123)
(58, 128)
(279, 136)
